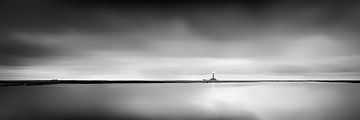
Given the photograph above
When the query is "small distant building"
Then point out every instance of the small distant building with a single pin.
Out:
(212, 79)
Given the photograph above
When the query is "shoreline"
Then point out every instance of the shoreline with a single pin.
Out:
(47, 82)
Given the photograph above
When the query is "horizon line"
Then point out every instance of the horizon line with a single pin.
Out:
(50, 82)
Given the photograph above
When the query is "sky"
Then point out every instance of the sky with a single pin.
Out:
(174, 40)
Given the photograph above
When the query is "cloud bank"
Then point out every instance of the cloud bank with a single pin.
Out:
(179, 40)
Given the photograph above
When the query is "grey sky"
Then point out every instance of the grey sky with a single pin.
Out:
(259, 39)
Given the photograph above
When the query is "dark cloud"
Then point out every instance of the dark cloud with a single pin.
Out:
(218, 20)
(46, 17)
(14, 51)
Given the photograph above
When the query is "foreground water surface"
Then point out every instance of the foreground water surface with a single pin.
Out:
(218, 101)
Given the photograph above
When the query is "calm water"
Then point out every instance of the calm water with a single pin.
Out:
(240, 101)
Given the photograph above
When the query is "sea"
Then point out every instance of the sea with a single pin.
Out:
(182, 101)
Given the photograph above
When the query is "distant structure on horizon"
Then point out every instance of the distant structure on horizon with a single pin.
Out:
(212, 78)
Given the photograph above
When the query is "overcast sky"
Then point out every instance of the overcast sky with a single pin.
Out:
(261, 39)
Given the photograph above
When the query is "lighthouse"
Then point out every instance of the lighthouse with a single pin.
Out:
(213, 77)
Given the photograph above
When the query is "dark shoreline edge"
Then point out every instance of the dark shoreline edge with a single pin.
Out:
(47, 82)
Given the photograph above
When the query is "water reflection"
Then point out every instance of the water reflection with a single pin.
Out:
(271, 101)
(242, 101)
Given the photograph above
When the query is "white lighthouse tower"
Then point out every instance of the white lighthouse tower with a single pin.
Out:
(213, 77)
